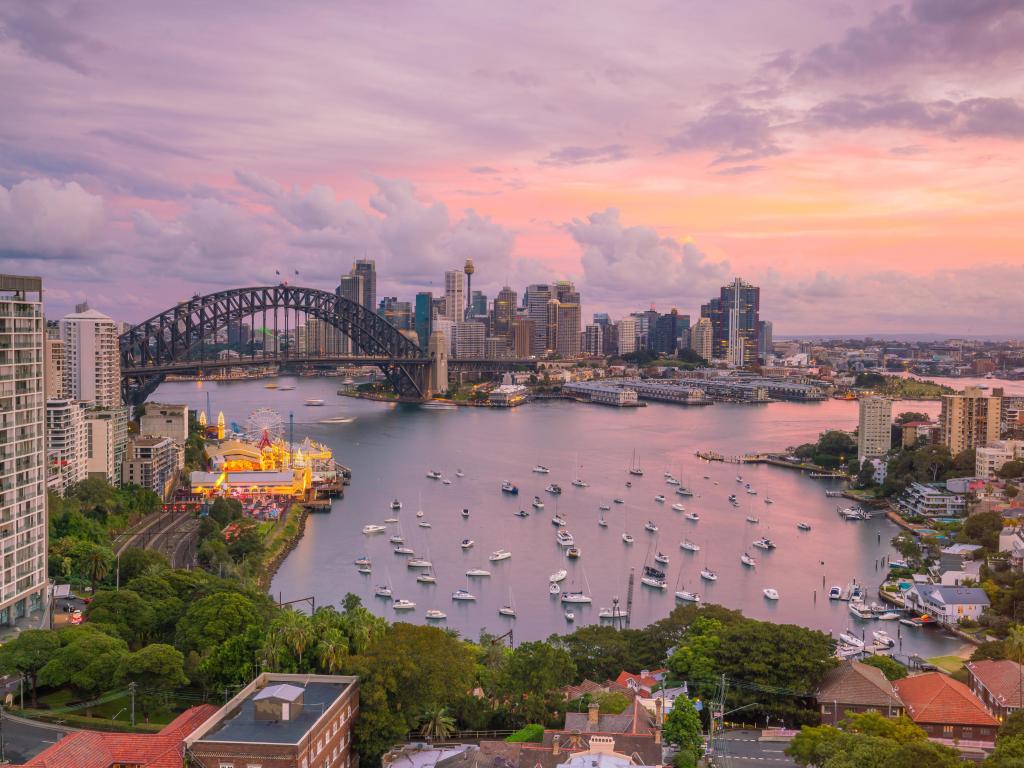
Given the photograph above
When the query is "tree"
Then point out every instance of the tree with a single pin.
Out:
(124, 609)
(88, 660)
(866, 474)
(1012, 726)
(210, 621)
(97, 564)
(891, 668)
(134, 562)
(154, 669)
(1009, 753)
(694, 659)
(436, 723)
(1011, 469)
(983, 528)
(682, 727)
(908, 416)
(28, 653)
(870, 740)
(537, 667)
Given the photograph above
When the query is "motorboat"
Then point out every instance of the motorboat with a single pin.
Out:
(558, 576)
(418, 562)
(687, 597)
(912, 622)
(678, 507)
(499, 555)
(707, 477)
(555, 489)
(660, 499)
(627, 538)
(404, 551)
(651, 526)
(689, 546)
(537, 503)
(315, 402)
(467, 543)
(612, 613)
(553, 588)
(752, 519)
(572, 553)
(733, 498)
(748, 560)
(465, 513)
(605, 507)
(365, 570)
(564, 538)
(661, 558)
(435, 614)
(521, 513)
(861, 610)
(848, 638)
(390, 520)
(889, 616)
(570, 616)
(459, 473)
(383, 591)
(768, 500)
(396, 504)
(463, 594)
(708, 575)
(419, 513)
(507, 610)
(403, 605)
(692, 516)
(558, 520)
(426, 578)
(835, 592)
(477, 573)
(373, 528)
(803, 526)
(770, 594)
(424, 524)
(575, 597)
(396, 539)
(270, 385)
(507, 487)
(883, 638)
(629, 483)
(683, 491)
(764, 543)
(434, 475)
(361, 560)
(580, 483)
(540, 469)
(619, 501)
(446, 481)
(671, 481)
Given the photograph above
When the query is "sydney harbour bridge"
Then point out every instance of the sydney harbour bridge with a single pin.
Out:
(181, 340)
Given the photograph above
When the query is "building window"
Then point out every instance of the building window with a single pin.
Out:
(947, 730)
(826, 709)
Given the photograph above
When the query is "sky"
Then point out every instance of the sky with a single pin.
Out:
(862, 162)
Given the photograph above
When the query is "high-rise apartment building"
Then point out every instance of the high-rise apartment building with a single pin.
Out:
(504, 311)
(67, 445)
(398, 313)
(55, 359)
(353, 288)
(969, 419)
(423, 317)
(593, 339)
(23, 525)
(478, 305)
(154, 463)
(702, 337)
(522, 337)
(92, 368)
(627, 335)
(765, 346)
(107, 430)
(874, 428)
(671, 331)
(455, 295)
(367, 269)
(735, 322)
(567, 337)
(468, 339)
(535, 301)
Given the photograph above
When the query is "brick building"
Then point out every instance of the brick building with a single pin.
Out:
(997, 684)
(947, 710)
(853, 687)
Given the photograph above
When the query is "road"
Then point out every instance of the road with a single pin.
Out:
(744, 749)
(171, 534)
(23, 740)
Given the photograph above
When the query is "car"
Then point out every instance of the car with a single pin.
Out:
(77, 617)
(86, 600)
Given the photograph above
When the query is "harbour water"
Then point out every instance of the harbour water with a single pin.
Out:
(391, 448)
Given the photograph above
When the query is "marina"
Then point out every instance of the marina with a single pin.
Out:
(391, 449)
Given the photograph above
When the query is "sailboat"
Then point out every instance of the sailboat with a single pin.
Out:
(684, 488)
(682, 594)
(634, 466)
(651, 576)
(509, 609)
(577, 481)
(601, 521)
(626, 537)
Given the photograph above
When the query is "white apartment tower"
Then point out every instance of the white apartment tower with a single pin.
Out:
(455, 295)
(702, 338)
(67, 445)
(92, 372)
(22, 447)
(874, 428)
(627, 335)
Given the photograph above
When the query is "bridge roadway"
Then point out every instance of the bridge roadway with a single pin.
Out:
(459, 364)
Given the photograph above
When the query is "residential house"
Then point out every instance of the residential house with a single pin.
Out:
(853, 687)
(947, 710)
(920, 500)
(947, 605)
(998, 684)
(643, 683)
(97, 749)
(953, 557)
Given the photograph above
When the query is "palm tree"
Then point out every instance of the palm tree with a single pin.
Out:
(97, 566)
(297, 633)
(332, 650)
(436, 724)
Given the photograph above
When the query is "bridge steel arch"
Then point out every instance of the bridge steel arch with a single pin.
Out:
(154, 347)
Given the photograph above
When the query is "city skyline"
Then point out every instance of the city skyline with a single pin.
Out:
(862, 167)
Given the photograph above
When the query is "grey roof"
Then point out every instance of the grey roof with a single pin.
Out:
(956, 595)
(282, 691)
(241, 726)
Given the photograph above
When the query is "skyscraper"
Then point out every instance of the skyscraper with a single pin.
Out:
(454, 295)
(55, 359)
(702, 338)
(353, 288)
(522, 336)
(567, 329)
(627, 335)
(398, 313)
(969, 419)
(735, 322)
(670, 332)
(477, 304)
(535, 300)
(468, 339)
(67, 445)
(874, 428)
(92, 370)
(593, 339)
(23, 524)
(367, 268)
(504, 311)
(765, 348)
(423, 318)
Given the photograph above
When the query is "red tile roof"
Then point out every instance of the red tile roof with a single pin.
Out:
(935, 698)
(625, 678)
(1002, 678)
(91, 749)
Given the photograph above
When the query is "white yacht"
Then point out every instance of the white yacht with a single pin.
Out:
(651, 526)
(687, 597)
(499, 554)
(553, 588)
(467, 543)
(424, 524)
(403, 550)
(848, 638)
(435, 614)
(397, 539)
(373, 528)
(364, 560)
(558, 520)
(627, 538)
(554, 488)
(364, 569)
(463, 594)
(689, 545)
(396, 504)
(770, 594)
(803, 526)
(619, 501)
(384, 591)
(434, 475)
(570, 616)
(612, 613)
(575, 597)
(418, 562)
(403, 605)
(883, 638)
(426, 578)
(671, 480)
(684, 491)
(660, 499)
(477, 573)
(459, 473)
(390, 520)
(507, 610)
(764, 543)
(692, 516)
(768, 500)
(661, 558)
(314, 401)
(708, 575)
(748, 560)
(678, 507)
(605, 507)
(653, 577)
(835, 592)
(564, 538)
(557, 576)
(540, 469)
(537, 503)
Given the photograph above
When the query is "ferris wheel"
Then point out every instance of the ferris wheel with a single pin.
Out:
(264, 424)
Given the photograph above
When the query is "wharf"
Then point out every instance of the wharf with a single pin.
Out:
(773, 459)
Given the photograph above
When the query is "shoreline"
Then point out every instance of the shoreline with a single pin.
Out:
(273, 565)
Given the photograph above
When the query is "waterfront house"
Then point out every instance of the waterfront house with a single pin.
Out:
(953, 557)
(997, 684)
(947, 710)
(853, 688)
(920, 500)
(947, 605)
